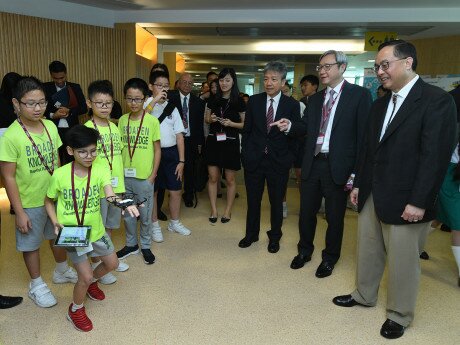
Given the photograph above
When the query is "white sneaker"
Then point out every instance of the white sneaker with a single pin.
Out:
(284, 210)
(155, 232)
(69, 276)
(107, 279)
(42, 295)
(179, 228)
(122, 266)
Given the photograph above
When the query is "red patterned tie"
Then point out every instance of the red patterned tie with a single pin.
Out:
(270, 115)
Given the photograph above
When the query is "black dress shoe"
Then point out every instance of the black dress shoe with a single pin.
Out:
(246, 242)
(273, 246)
(324, 269)
(299, 261)
(225, 220)
(162, 216)
(445, 228)
(9, 302)
(346, 301)
(213, 219)
(424, 255)
(391, 330)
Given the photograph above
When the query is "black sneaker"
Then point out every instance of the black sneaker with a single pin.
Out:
(127, 251)
(149, 258)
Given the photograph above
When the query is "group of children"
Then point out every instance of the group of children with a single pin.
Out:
(113, 172)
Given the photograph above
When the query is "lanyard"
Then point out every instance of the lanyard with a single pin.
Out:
(222, 112)
(75, 205)
(101, 140)
(131, 153)
(42, 159)
(327, 112)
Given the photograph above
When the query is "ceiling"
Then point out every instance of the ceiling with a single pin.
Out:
(212, 34)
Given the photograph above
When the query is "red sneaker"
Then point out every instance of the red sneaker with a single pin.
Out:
(95, 293)
(79, 319)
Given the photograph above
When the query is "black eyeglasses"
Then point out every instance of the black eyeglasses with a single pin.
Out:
(385, 65)
(327, 67)
(33, 105)
(103, 104)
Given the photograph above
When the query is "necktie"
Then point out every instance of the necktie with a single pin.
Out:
(270, 115)
(185, 113)
(324, 121)
(394, 99)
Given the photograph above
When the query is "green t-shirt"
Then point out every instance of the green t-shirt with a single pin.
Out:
(144, 154)
(60, 189)
(117, 163)
(32, 177)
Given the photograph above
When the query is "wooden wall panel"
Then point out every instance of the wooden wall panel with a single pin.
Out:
(143, 67)
(29, 44)
(438, 55)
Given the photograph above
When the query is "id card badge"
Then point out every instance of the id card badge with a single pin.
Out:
(320, 139)
(130, 172)
(114, 181)
(221, 136)
(83, 250)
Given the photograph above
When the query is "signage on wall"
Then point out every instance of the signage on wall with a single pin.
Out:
(373, 39)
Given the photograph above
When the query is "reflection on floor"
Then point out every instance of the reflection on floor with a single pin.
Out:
(203, 289)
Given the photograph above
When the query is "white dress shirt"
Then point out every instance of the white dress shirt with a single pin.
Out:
(402, 94)
(327, 135)
(170, 126)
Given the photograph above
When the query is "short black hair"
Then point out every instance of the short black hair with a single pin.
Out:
(402, 49)
(9, 82)
(160, 67)
(57, 67)
(136, 83)
(157, 74)
(80, 136)
(312, 79)
(100, 86)
(210, 73)
(25, 85)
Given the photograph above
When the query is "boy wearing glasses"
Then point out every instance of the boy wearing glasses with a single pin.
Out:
(141, 154)
(28, 158)
(109, 147)
(171, 168)
(76, 189)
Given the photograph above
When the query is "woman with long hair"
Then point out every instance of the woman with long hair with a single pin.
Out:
(226, 119)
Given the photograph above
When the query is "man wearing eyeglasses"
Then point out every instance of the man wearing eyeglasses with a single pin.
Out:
(65, 103)
(410, 138)
(191, 108)
(334, 124)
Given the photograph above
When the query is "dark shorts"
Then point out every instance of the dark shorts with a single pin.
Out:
(166, 177)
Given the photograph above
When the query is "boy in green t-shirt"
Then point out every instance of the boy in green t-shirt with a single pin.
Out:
(76, 188)
(140, 134)
(109, 148)
(28, 158)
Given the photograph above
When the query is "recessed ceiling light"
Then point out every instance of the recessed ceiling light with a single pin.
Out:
(351, 67)
(214, 68)
(260, 69)
(370, 60)
(197, 75)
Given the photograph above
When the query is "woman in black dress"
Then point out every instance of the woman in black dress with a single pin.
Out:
(226, 119)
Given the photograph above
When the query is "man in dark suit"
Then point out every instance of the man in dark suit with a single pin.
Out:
(65, 103)
(409, 142)
(334, 124)
(267, 154)
(191, 109)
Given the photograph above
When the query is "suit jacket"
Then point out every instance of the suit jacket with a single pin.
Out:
(280, 147)
(408, 165)
(347, 132)
(80, 109)
(196, 115)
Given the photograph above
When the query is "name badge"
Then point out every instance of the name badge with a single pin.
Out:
(83, 250)
(320, 139)
(114, 181)
(221, 136)
(130, 172)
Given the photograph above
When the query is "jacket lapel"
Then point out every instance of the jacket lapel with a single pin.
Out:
(405, 110)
